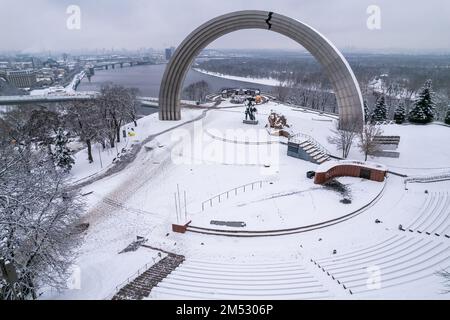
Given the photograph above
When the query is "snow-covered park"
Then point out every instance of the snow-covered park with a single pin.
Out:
(365, 256)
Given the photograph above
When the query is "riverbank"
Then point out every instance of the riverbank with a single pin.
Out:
(262, 81)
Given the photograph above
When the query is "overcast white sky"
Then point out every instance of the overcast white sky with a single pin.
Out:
(34, 25)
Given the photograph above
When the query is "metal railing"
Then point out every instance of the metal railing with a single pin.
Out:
(430, 178)
(226, 195)
(132, 277)
(303, 137)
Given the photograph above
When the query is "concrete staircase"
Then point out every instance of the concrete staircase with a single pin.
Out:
(307, 150)
(140, 287)
(316, 154)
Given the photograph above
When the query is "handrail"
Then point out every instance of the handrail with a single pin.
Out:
(435, 178)
(310, 140)
(228, 192)
(132, 277)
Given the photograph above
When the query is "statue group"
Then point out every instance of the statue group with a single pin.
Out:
(250, 111)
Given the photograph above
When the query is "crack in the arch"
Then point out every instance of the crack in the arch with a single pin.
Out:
(268, 20)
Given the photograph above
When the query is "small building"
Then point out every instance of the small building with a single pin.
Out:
(349, 168)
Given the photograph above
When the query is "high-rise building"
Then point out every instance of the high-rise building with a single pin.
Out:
(21, 78)
(169, 53)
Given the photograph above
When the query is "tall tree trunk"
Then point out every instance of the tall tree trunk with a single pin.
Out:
(89, 148)
(31, 288)
(49, 149)
(118, 132)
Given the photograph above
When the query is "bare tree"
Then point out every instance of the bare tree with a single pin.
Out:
(132, 104)
(118, 105)
(197, 91)
(281, 92)
(367, 143)
(84, 119)
(343, 139)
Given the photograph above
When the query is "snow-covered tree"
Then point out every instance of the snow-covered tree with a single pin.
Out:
(366, 112)
(380, 112)
(132, 108)
(62, 155)
(399, 114)
(197, 91)
(85, 121)
(117, 106)
(447, 117)
(423, 110)
(38, 214)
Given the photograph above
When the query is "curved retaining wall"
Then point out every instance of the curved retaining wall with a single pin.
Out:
(350, 170)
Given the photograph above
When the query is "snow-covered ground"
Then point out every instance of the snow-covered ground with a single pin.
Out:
(103, 158)
(292, 201)
(210, 156)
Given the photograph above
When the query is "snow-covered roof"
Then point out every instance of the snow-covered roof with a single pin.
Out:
(326, 166)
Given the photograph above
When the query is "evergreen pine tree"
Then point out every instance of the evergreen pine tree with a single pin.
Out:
(366, 112)
(379, 113)
(447, 117)
(399, 114)
(62, 154)
(423, 111)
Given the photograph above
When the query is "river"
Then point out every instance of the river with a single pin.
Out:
(147, 78)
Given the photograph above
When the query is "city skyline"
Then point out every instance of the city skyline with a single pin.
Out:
(404, 25)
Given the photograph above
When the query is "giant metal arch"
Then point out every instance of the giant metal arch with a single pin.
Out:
(345, 85)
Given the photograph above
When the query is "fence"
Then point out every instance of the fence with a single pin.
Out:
(226, 195)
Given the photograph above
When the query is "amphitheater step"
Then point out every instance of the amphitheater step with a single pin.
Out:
(211, 280)
(402, 259)
(141, 287)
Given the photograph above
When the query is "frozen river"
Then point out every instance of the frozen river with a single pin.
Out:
(147, 79)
